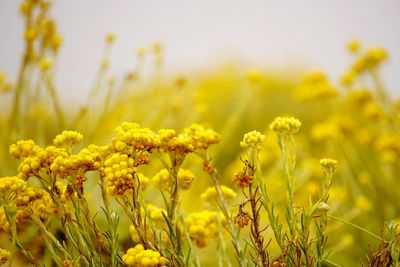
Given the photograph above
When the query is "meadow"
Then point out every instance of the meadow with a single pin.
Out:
(225, 167)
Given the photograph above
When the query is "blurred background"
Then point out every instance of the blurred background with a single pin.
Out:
(197, 34)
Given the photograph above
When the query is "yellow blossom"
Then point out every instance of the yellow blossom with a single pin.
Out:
(211, 196)
(67, 139)
(285, 125)
(140, 257)
(202, 227)
(253, 140)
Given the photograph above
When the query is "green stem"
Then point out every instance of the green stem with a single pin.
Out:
(357, 227)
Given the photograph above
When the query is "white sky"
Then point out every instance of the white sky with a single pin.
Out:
(202, 33)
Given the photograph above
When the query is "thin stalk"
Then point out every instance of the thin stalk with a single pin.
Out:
(357, 227)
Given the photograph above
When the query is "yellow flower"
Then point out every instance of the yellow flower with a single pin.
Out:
(119, 169)
(46, 63)
(185, 178)
(285, 125)
(141, 51)
(328, 165)
(23, 149)
(211, 196)
(315, 86)
(157, 47)
(140, 257)
(253, 140)
(202, 226)
(132, 138)
(348, 77)
(144, 181)
(30, 34)
(363, 203)
(353, 46)
(67, 139)
(254, 75)
(110, 37)
(161, 180)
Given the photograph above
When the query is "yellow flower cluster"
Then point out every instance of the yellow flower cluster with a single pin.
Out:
(316, 86)
(143, 180)
(88, 159)
(211, 196)
(388, 145)
(132, 138)
(364, 61)
(17, 191)
(285, 125)
(353, 46)
(5, 86)
(67, 139)
(162, 179)
(37, 162)
(119, 170)
(242, 179)
(370, 59)
(358, 97)
(195, 137)
(185, 178)
(242, 219)
(328, 165)
(253, 140)
(140, 257)
(333, 129)
(202, 226)
(23, 149)
(4, 256)
(43, 29)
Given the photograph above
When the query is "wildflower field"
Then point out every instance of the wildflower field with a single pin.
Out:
(230, 167)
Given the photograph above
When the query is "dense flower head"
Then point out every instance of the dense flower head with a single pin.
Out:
(41, 162)
(202, 226)
(138, 256)
(388, 146)
(10, 186)
(23, 149)
(242, 219)
(143, 180)
(359, 97)
(242, 179)
(17, 191)
(354, 46)
(333, 129)
(315, 86)
(285, 125)
(201, 137)
(254, 75)
(132, 138)
(252, 139)
(328, 165)
(88, 159)
(211, 196)
(161, 180)
(185, 178)
(195, 137)
(119, 170)
(372, 58)
(67, 139)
